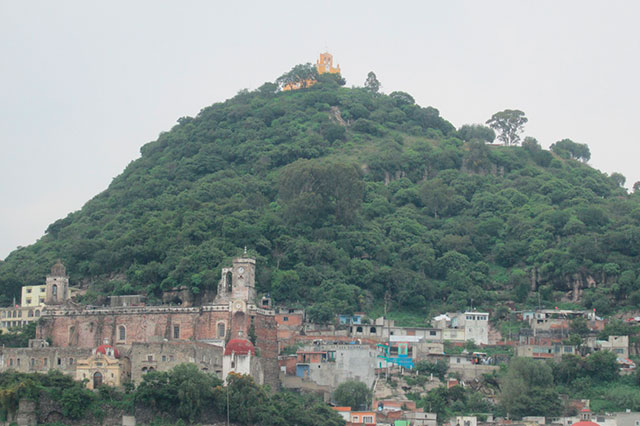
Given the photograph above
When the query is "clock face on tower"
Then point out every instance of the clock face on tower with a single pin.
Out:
(241, 269)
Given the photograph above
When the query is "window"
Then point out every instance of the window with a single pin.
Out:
(72, 330)
(46, 362)
(367, 419)
(11, 362)
(18, 362)
(122, 333)
(355, 419)
(432, 333)
(221, 328)
(359, 330)
(164, 358)
(59, 361)
(619, 351)
(149, 358)
(285, 318)
(30, 312)
(28, 290)
(28, 301)
(229, 279)
(176, 331)
(372, 330)
(37, 313)
(54, 290)
(70, 361)
(33, 362)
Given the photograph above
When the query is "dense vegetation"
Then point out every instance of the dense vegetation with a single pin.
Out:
(184, 394)
(348, 197)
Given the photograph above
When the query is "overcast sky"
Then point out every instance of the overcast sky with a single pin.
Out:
(84, 84)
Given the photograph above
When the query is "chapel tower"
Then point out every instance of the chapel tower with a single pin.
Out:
(238, 283)
(57, 291)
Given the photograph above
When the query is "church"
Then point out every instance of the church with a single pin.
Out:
(150, 338)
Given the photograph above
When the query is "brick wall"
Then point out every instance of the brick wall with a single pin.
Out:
(91, 330)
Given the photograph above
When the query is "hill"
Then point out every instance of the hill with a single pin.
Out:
(349, 199)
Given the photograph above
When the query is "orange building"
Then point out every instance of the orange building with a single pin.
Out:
(324, 65)
(356, 418)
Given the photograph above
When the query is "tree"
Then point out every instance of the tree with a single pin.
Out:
(509, 123)
(353, 394)
(184, 391)
(435, 195)
(371, 83)
(438, 368)
(402, 98)
(310, 190)
(601, 366)
(470, 132)
(618, 179)
(566, 148)
(527, 389)
(636, 187)
(300, 76)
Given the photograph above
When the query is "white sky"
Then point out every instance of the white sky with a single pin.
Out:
(84, 84)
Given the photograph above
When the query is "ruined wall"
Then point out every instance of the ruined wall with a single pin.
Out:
(41, 360)
(166, 355)
(266, 330)
(89, 330)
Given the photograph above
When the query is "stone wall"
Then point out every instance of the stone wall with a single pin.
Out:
(166, 355)
(89, 329)
(41, 360)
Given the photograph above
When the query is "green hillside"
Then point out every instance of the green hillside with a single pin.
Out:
(348, 198)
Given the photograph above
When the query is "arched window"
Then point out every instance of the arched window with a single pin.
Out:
(122, 333)
(221, 330)
(359, 330)
(37, 312)
(30, 313)
(229, 281)
(372, 330)
(72, 330)
(54, 291)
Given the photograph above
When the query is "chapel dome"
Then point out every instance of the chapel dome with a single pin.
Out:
(239, 347)
(108, 350)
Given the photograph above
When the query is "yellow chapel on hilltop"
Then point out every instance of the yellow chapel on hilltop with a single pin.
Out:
(324, 65)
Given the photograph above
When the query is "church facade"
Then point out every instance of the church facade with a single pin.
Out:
(233, 314)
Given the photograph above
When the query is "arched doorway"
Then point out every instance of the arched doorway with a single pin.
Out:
(97, 379)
